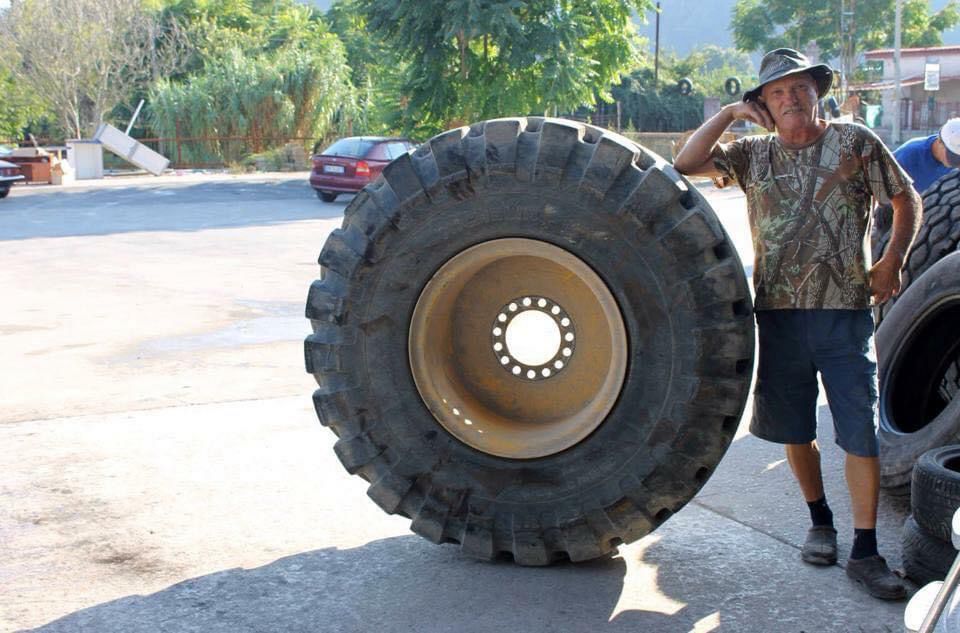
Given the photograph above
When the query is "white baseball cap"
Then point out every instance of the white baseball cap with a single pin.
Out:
(950, 137)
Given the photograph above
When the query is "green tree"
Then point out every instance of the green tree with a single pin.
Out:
(376, 70)
(264, 73)
(19, 106)
(708, 69)
(215, 28)
(647, 107)
(767, 24)
(710, 58)
(85, 57)
(474, 59)
(659, 107)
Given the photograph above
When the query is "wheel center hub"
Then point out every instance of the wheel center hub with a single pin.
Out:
(533, 338)
(524, 377)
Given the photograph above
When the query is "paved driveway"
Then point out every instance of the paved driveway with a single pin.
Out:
(163, 469)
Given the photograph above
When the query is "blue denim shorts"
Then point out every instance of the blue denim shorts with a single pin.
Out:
(794, 346)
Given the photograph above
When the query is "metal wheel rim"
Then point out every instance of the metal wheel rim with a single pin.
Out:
(465, 381)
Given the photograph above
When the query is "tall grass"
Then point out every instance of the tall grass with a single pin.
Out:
(267, 98)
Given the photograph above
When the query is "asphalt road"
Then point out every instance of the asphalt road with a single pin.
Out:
(163, 469)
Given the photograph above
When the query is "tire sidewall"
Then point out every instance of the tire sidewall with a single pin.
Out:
(900, 450)
(646, 282)
(935, 491)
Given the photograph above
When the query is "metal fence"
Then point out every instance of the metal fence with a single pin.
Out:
(288, 154)
(916, 114)
(234, 151)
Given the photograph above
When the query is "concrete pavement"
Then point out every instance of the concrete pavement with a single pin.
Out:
(164, 470)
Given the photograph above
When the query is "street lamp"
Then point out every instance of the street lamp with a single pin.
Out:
(896, 75)
(656, 49)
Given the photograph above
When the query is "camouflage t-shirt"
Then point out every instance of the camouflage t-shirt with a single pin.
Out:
(809, 213)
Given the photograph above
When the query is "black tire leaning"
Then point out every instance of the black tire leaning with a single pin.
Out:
(919, 352)
(938, 236)
(4, 191)
(653, 241)
(925, 557)
(935, 490)
(326, 196)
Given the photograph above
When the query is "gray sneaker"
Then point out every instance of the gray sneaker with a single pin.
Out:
(820, 547)
(874, 575)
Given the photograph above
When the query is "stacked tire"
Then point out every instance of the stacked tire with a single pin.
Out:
(928, 550)
(918, 340)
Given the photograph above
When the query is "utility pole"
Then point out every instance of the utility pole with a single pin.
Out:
(896, 75)
(848, 26)
(843, 43)
(656, 50)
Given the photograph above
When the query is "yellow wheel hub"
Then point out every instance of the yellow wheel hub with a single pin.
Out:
(518, 348)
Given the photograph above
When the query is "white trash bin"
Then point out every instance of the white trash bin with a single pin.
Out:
(86, 158)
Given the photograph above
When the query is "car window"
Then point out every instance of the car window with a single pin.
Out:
(396, 149)
(352, 147)
(379, 152)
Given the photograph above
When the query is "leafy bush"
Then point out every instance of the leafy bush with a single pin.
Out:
(650, 106)
(265, 74)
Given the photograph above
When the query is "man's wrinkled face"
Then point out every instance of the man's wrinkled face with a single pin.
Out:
(791, 100)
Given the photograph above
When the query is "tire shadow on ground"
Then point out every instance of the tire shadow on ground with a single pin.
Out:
(395, 584)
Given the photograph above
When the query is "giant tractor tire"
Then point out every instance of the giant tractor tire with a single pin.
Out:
(532, 338)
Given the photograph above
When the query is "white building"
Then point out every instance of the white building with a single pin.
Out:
(921, 111)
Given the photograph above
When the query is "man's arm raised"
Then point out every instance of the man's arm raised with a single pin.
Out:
(695, 159)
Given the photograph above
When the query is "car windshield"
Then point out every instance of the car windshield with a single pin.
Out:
(352, 147)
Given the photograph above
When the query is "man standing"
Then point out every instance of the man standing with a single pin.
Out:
(809, 188)
(926, 160)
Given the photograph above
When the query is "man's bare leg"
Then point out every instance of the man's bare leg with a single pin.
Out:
(804, 461)
(863, 480)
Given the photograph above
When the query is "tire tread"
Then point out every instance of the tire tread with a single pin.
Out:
(925, 557)
(935, 491)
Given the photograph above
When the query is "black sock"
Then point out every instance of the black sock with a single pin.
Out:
(864, 543)
(820, 512)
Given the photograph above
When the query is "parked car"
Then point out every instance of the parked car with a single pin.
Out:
(352, 162)
(9, 174)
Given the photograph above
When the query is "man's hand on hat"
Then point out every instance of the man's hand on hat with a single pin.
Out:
(752, 111)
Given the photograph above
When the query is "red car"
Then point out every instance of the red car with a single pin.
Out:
(352, 162)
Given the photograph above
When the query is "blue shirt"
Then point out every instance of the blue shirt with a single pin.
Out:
(916, 158)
